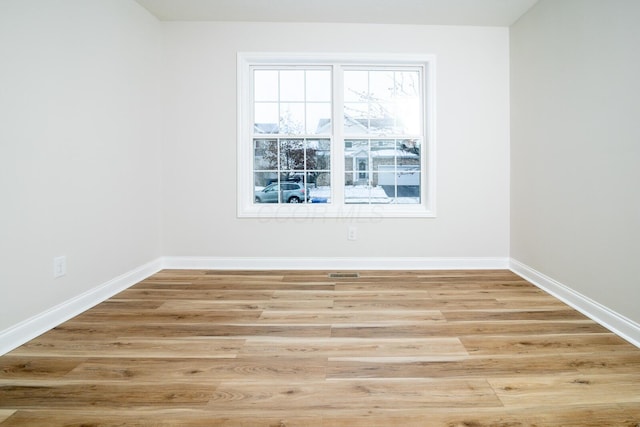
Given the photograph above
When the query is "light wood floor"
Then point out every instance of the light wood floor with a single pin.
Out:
(286, 348)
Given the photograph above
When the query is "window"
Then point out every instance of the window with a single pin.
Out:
(335, 135)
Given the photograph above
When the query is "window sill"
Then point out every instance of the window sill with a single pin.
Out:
(320, 210)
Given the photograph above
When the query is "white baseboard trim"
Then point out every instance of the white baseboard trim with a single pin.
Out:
(28, 329)
(353, 263)
(616, 323)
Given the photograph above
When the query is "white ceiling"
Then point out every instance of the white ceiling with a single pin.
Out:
(421, 12)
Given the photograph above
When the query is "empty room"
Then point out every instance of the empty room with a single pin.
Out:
(319, 213)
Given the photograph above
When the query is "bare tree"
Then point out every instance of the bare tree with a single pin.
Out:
(292, 157)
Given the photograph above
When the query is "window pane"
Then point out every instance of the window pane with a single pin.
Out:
(319, 187)
(355, 192)
(382, 120)
(266, 117)
(407, 117)
(381, 86)
(264, 188)
(292, 118)
(318, 85)
(265, 155)
(407, 98)
(356, 86)
(408, 152)
(383, 152)
(356, 118)
(319, 118)
(356, 158)
(384, 183)
(291, 154)
(318, 155)
(291, 85)
(408, 185)
(407, 84)
(265, 86)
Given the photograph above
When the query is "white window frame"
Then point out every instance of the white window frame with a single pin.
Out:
(246, 208)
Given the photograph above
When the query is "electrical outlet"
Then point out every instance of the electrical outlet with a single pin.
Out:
(352, 233)
(59, 266)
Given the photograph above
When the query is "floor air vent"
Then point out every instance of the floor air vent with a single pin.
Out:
(343, 275)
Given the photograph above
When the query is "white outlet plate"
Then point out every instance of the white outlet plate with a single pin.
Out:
(59, 266)
(352, 233)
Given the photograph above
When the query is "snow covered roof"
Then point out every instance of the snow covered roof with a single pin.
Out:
(362, 152)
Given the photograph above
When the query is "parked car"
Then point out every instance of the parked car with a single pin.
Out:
(289, 192)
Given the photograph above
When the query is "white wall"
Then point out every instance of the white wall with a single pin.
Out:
(79, 147)
(472, 144)
(575, 182)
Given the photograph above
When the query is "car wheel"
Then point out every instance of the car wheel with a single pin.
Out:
(294, 199)
(258, 200)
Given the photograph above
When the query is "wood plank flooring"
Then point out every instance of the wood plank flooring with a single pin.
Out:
(293, 348)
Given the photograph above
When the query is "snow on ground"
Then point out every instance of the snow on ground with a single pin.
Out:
(357, 194)
(362, 194)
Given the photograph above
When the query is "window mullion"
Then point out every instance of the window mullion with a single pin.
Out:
(337, 161)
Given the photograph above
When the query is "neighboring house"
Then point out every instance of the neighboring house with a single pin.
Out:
(381, 165)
